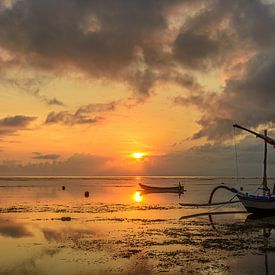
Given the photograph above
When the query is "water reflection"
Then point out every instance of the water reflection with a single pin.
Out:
(31, 265)
(13, 229)
(121, 229)
(138, 196)
(63, 234)
(250, 235)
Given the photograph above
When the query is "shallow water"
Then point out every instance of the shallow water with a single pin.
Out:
(47, 230)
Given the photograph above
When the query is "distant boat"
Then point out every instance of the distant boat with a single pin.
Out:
(259, 204)
(161, 189)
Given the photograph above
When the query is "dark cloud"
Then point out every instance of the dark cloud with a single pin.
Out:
(16, 121)
(98, 37)
(194, 50)
(220, 30)
(120, 40)
(128, 41)
(83, 115)
(135, 42)
(249, 87)
(40, 156)
(11, 124)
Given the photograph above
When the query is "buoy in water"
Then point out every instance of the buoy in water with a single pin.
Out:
(87, 194)
(66, 219)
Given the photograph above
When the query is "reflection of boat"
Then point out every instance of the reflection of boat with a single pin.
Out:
(255, 223)
(255, 227)
(163, 189)
(265, 203)
(210, 214)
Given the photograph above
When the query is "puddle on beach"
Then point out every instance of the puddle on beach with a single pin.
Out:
(47, 230)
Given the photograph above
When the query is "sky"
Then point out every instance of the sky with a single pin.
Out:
(84, 85)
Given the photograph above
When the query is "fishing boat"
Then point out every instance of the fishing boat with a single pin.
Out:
(263, 204)
(163, 189)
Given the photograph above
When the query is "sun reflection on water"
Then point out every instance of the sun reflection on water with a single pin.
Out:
(138, 196)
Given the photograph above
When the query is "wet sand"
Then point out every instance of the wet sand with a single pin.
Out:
(47, 230)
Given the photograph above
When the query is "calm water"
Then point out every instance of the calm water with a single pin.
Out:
(47, 230)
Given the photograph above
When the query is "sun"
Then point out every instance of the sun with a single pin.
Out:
(138, 155)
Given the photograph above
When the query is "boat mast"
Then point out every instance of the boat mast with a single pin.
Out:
(265, 161)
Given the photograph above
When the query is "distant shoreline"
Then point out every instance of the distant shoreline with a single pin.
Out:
(27, 178)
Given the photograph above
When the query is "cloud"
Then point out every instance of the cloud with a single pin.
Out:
(117, 41)
(15, 121)
(248, 65)
(41, 156)
(97, 107)
(99, 38)
(247, 101)
(213, 159)
(210, 159)
(194, 50)
(11, 124)
(53, 101)
(83, 115)
(220, 31)
(77, 164)
(32, 86)
(67, 118)
(142, 43)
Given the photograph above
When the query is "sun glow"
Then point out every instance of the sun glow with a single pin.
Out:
(138, 155)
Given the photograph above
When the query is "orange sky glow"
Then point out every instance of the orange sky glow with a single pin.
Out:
(85, 94)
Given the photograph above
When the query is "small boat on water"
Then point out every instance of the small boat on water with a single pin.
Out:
(163, 189)
(264, 203)
(261, 204)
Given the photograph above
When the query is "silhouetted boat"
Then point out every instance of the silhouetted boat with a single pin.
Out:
(163, 189)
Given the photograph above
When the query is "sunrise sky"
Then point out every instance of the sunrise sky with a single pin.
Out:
(86, 85)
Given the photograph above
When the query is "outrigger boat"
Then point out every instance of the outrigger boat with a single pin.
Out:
(263, 204)
(259, 204)
(163, 189)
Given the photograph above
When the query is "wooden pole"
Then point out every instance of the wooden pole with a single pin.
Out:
(265, 161)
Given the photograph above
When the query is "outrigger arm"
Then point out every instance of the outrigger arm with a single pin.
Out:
(264, 137)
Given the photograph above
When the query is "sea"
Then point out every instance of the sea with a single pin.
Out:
(109, 225)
